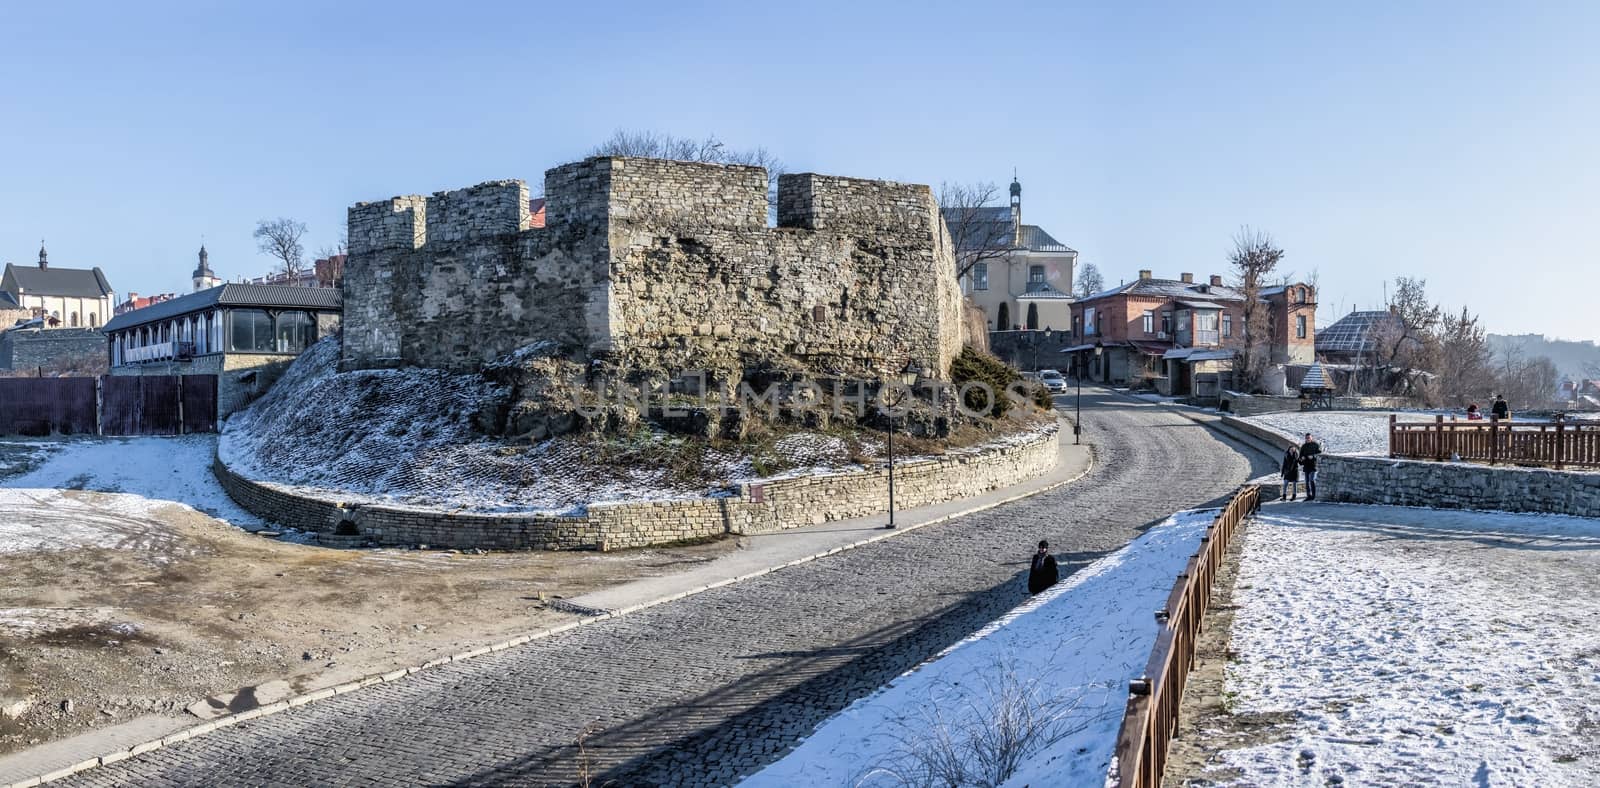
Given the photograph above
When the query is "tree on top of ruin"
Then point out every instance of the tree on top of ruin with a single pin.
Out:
(980, 227)
(280, 239)
(659, 145)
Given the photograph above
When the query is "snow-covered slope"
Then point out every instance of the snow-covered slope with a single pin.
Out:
(1069, 652)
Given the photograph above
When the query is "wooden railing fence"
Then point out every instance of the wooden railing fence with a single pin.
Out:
(1151, 715)
(1558, 444)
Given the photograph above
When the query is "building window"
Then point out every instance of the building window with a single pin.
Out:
(1227, 325)
(252, 331)
(1035, 273)
(1077, 325)
(1149, 321)
(1300, 296)
(1300, 326)
(73, 320)
(297, 331)
(980, 276)
(1166, 322)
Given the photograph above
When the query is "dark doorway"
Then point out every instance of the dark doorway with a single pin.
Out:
(1002, 321)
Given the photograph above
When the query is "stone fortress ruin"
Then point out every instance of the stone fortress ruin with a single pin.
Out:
(651, 268)
(452, 410)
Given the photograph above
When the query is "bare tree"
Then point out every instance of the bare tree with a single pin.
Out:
(1526, 382)
(1089, 280)
(973, 215)
(1408, 347)
(1254, 257)
(1464, 374)
(658, 145)
(281, 239)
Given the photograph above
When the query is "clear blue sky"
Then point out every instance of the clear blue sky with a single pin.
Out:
(1453, 141)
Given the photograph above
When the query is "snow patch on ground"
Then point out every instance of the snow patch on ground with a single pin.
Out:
(1417, 646)
(1077, 644)
(151, 472)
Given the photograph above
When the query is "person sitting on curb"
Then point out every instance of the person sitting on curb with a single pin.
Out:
(1043, 573)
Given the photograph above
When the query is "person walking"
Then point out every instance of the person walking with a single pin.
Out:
(1290, 469)
(1042, 574)
(1308, 465)
(1501, 410)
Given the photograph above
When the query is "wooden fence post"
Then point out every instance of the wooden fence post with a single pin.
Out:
(1391, 435)
(1561, 433)
(1438, 441)
(1494, 439)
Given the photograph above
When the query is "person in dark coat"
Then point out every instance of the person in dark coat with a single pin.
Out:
(1290, 469)
(1501, 409)
(1043, 573)
(1308, 465)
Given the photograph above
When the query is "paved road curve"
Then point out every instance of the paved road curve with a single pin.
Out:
(706, 689)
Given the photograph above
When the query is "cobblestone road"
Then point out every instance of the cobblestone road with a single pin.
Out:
(706, 689)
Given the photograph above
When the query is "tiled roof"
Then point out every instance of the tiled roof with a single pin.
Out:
(68, 282)
(1035, 239)
(1043, 290)
(7, 301)
(231, 295)
(1171, 288)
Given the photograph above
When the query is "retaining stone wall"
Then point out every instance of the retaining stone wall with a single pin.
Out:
(1458, 485)
(756, 508)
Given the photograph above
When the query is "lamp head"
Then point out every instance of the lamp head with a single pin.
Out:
(911, 373)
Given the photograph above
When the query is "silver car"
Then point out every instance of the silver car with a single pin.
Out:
(1053, 381)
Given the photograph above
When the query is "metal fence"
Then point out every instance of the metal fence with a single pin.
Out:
(1557, 444)
(1151, 715)
(109, 405)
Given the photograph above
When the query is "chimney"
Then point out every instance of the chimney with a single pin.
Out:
(1144, 273)
(1188, 279)
(1216, 280)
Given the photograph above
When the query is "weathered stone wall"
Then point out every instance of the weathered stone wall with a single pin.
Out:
(1444, 485)
(46, 347)
(657, 264)
(1457, 485)
(771, 506)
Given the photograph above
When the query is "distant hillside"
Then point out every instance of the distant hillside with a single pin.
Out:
(1571, 357)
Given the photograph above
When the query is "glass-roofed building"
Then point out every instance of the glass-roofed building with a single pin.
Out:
(1354, 338)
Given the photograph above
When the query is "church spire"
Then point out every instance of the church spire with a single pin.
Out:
(44, 257)
(204, 279)
(1016, 209)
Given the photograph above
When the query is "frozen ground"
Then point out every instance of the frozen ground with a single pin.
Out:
(406, 436)
(1339, 432)
(151, 472)
(1414, 646)
(1069, 651)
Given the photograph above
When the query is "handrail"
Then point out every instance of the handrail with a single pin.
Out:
(1151, 714)
(1558, 444)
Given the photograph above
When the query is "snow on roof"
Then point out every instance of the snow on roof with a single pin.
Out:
(1357, 332)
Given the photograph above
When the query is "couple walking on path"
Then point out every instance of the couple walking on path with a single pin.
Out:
(1297, 461)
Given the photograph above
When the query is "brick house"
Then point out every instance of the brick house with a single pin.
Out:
(1176, 334)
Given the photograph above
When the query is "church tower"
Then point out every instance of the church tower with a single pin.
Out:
(1016, 210)
(204, 279)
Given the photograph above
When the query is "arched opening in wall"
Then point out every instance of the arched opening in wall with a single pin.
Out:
(72, 320)
(1002, 320)
(94, 320)
(1033, 317)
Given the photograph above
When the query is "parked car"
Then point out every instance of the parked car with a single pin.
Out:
(1053, 381)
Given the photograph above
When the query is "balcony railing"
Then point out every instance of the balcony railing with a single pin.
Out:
(1203, 337)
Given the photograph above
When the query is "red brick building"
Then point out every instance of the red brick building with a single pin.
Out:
(1177, 334)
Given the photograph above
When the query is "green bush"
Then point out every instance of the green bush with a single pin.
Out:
(980, 367)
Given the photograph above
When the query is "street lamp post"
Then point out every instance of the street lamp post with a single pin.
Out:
(1077, 418)
(908, 377)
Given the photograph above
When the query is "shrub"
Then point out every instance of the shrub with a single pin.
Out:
(976, 366)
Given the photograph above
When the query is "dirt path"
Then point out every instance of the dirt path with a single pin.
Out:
(114, 607)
